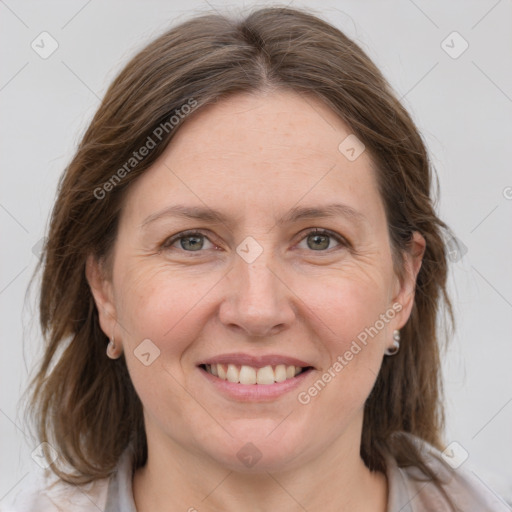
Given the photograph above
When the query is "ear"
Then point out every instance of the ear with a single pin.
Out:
(102, 291)
(406, 285)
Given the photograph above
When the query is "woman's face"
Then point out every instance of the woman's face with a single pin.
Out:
(250, 285)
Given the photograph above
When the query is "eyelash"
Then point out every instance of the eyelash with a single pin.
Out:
(167, 244)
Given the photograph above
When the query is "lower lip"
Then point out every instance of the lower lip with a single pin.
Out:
(255, 392)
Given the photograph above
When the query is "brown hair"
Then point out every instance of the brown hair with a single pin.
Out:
(84, 403)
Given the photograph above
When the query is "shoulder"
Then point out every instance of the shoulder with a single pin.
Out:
(45, 492)
(410, 490)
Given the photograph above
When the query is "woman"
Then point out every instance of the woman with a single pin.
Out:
(247, 230)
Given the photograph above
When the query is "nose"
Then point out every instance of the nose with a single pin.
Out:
(258, 301)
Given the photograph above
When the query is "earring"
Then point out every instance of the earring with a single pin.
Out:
(391, 351)
(111, 347)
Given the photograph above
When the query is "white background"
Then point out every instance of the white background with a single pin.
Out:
(462, 106)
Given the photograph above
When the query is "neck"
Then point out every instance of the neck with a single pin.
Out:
(337, 480)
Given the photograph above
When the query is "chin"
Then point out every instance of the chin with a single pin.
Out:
(258, 448)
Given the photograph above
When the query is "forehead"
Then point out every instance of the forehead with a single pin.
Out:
(285, 125)
(257, 151)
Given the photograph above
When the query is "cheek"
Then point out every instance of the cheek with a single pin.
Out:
(350, 319)
(346, 303)
(169, 308)
(158, 305)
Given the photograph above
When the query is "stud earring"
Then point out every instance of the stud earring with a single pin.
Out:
(111, 347)
(391, 351)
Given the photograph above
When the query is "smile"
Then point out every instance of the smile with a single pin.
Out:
(247, 377)
(250, 375)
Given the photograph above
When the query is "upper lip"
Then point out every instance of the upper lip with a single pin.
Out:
(255, 361)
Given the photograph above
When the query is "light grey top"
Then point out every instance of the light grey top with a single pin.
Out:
(406, 494)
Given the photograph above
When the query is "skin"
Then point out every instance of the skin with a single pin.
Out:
(254, 157)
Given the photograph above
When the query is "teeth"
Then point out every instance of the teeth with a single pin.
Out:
(233, 374)
(249, 375)
(266, 375)
(280, 373)
(221, 372)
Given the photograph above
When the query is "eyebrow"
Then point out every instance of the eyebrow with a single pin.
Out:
(294, 215)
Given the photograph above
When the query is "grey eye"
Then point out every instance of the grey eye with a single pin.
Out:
(316, 241)
(320, 240)
(192, 242)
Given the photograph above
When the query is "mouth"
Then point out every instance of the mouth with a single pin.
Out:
(251, 375)
(250, 378)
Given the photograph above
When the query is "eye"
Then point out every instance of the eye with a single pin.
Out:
(320, 239)
(189, 241)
